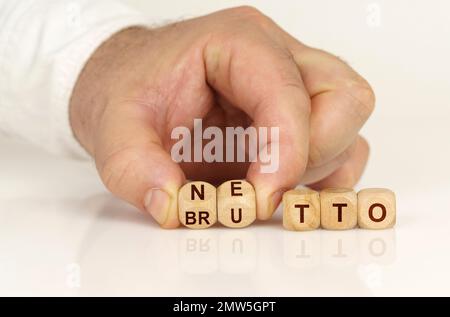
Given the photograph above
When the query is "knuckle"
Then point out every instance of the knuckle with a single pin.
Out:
(117, 167)
(247, 10)
(252, 14)
(364, 96)
(296, 90)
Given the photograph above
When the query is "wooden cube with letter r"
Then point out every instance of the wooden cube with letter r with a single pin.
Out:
(197, 205)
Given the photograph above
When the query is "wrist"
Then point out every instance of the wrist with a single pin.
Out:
(98, 82)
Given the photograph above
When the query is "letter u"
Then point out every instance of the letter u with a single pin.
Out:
(239, 216)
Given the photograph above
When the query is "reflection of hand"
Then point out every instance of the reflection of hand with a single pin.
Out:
(232, 68)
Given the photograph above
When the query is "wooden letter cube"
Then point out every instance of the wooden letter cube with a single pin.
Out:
(338, 208)
(197, 205)
(301, 209)
(376, 208)
(236, 204)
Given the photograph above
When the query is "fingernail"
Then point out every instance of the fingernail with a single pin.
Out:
(157, 204)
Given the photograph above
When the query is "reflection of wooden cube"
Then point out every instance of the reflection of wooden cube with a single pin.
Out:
(377, 246)
(301, 250)
(301, 209)
(376, 208)
(197, 205)
(339, 248)
(236, 204)
(338, 208)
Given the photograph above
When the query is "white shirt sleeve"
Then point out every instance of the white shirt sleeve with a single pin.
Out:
(43, 47)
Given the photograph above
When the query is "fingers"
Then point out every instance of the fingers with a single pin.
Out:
(348, 174)
(315, 174)
(259, 77)
(341, 102)
(134, 166)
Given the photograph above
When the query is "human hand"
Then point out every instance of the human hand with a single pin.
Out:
(231, 68)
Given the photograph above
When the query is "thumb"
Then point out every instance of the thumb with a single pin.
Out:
(134, 166)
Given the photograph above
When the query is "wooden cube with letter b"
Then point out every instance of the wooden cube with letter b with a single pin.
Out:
(197, 205)
(301, 209)
(236, 204)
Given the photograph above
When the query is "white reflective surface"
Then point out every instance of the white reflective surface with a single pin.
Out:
(62, 234)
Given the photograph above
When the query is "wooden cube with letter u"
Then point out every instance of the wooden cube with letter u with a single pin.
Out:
(197, 205)
(236, 204)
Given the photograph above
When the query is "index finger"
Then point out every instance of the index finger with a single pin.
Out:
(256, 75)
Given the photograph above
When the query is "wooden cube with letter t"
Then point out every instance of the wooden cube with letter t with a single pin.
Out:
(236, 204)
(301, 209)
(197, 205)
(338, 208)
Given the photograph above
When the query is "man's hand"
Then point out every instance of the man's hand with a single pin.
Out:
(232, 68)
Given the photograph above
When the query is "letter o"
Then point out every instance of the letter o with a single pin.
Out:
(383, 212)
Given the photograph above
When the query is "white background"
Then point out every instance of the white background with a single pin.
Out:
(62, 234)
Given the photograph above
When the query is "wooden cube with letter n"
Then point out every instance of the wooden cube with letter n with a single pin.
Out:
(236, 204)
(301, 209)
(197, 205)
